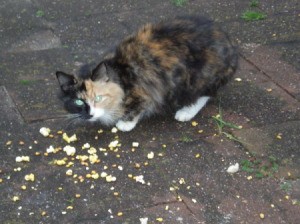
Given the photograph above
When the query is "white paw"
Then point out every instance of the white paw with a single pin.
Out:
(183, 115)
(126, 125)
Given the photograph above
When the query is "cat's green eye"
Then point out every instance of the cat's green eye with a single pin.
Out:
(98, 98)
(79, 102)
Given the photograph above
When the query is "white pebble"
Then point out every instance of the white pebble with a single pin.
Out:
(233, 168)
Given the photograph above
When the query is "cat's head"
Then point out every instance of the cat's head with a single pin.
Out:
(99, 97)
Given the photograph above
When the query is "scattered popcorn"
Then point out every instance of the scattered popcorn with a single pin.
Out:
(238, 79)
(29, 177)
(69, 172)
(16, 198)
(92, 150)
(160, 219)
(8, 143)
(86, 146)
(69, 207)
(45, 131)
(269, 90)
(279, 136)
(77, 195)
(194, 200)
(100, 131)
(95, 176)
(113, 144)
(194, 123)
(140, 179)
(262, 215)
(68, 139)
(150, 155)
(144, 220)
(114, 130)
(181, 181)
(103, 174)
(93, 158)
(60, 162)
(43, 213)
(82, 158)
(69, 150)
(233, 168)
(50, 149)
(287, 197)
(23, 187)
(120, 214)
(120, 168)
(135, 144)
(22, 159)
(197, 155)
(110, 178)
(249, 178)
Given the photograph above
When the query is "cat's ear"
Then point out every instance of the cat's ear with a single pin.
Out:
(66, 81)
(100, 73)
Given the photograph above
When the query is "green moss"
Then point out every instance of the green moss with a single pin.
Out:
(39, 13)
(253, 15)
(179, 2)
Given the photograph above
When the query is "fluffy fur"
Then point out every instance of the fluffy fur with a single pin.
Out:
(178, 64)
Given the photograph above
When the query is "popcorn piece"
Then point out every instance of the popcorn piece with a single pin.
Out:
(262, 215)
(82, 158)
(144, 220)
(194, 123)
(69, 150)
(238, 79)
(22, 159)
(60, 162)
(160, 219)
(113, 144)
(68, 139)
(93, 158)
(95, 176)
(110, 178)
(140, 179)
(69, 172)
(29, 177)
(114, 130)
(103, 174)
(233, 168)
(92, 150)
(150, 155)
(45, 131)
(86, 146)
(16, 198)
(50, 149)
(181, 181)
(135, 144)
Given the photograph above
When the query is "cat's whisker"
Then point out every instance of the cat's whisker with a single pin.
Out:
(72, 119)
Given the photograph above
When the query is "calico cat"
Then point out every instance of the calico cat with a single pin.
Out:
(179, 64)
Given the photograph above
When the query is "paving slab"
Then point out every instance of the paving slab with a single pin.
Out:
(186, 180)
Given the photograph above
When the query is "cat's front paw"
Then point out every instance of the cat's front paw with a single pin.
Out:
(183, 115)
(125, 125)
